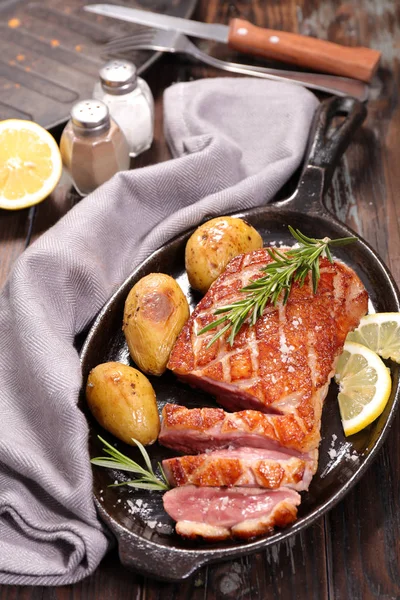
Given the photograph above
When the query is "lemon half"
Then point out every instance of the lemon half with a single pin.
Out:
(30, 164)
(365, 387)
(381, 333)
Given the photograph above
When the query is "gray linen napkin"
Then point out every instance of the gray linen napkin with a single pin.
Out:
(236, 142)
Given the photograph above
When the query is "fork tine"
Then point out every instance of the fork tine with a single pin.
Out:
(127, 43)
(127, 46)
(131, 40)
(139, 39)
(143, 31)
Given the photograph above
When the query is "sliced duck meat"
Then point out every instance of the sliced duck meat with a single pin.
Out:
(283, 364)
(240, 467)
(200, 429)
(220, 513)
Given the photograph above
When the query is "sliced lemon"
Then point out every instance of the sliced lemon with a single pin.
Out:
(30, 164)
(380, 333)
(365, 385)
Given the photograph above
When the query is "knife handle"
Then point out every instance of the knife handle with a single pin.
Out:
(303, 51)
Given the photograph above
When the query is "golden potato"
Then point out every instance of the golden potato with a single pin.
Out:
(213, 245)
(123, 401)
(155, 311)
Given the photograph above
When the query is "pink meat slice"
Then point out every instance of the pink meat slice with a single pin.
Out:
(220, 513)
(241, 467)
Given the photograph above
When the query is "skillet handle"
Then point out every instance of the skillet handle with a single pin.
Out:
(327, 142)
(156, 561)
(152, 559)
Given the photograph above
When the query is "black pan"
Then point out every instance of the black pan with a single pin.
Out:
(145, 534)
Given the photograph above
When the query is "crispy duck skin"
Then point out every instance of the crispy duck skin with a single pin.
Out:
(217, 514)
(200, 429)
(240, 467)
(283, 364)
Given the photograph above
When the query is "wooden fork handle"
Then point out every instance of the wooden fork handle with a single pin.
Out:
(319, 55)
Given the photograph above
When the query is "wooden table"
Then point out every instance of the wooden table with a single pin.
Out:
(354, 551)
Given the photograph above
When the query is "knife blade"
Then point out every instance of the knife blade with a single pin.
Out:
(303, 51)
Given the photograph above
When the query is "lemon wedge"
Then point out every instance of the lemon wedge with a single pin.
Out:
(30, 164)
(381, 333)
(365, 385)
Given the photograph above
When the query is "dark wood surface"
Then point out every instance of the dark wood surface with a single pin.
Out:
(51, 59)
(353, 552)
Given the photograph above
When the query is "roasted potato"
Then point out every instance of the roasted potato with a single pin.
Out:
(213, 245)
(123, 401)
(155, 311)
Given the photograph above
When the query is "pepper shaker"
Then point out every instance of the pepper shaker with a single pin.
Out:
(130, 102)
(93, 147)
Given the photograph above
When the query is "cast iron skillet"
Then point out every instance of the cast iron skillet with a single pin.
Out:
(145, 534)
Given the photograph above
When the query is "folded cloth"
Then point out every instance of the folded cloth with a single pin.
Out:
(235, 143)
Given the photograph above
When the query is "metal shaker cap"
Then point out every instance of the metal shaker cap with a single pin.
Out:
(118, 77)
(90, 116)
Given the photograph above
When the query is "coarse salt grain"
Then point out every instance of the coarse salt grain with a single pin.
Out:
(164, 528)
(344, 452)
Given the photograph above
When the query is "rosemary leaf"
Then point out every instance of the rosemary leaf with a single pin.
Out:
(328, 254)
(342, 241)
(140, 485)
(147, 479)
(163, 475)
(145, 456)
(148, 486)
(111, 464)
(279, 275)
(214, 324)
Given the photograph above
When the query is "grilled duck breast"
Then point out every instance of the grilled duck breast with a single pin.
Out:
(283, 364)
(276, 375)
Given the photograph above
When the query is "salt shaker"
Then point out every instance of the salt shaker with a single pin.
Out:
(93, 147)
(130, 101)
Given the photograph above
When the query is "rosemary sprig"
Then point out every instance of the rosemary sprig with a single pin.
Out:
(147, 479)
(280, 274)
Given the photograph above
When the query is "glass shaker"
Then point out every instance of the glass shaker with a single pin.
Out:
(93, 147)
(130, 101)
